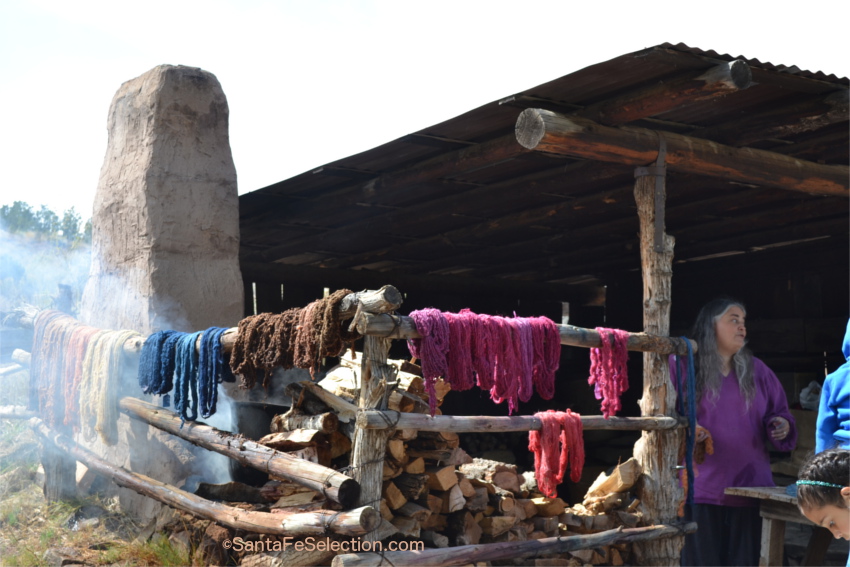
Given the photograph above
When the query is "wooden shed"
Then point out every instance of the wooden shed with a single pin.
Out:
(566, 200)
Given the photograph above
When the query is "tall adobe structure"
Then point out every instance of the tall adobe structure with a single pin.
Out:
(165, 239)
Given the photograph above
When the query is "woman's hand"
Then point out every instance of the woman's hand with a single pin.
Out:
(779, 428)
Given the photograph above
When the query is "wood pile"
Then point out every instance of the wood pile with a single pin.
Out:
(433, 491)
(607, 505)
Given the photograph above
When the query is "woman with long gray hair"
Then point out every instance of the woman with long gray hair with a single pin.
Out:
(742, 405)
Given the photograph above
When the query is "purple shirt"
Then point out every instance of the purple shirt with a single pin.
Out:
(741, 436)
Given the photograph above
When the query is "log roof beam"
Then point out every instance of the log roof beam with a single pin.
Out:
(546, 131)
(781, 122)
(663, 97)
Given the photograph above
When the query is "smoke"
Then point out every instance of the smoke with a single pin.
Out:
(46, 273)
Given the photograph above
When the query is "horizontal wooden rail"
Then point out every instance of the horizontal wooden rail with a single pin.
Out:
(466, 554)
(402, 327)
(333, 484)
(317, 522)
(375, 419)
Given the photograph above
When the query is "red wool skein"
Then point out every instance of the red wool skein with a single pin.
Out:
(559, 443)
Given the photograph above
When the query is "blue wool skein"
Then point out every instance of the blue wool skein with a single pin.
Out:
(690, 436)
(186, 377)
(211, 370)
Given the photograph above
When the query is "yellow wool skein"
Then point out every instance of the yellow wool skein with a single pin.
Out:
(102, 368)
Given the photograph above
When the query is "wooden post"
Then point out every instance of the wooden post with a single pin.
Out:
(657, 451)
(369, 445)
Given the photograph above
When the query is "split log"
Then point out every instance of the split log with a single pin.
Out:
(334, 485)
(346, 411)
(478, 502)
(406, 526)
(436, 522)
(466, 554)
(547, 131)
(354, 522)
(465, 485)
(415, 466)
(456, 456)
(453, 500)
(326, 422)
(462, 529)
(294, 440)
(548, 524)
(528, 507)
(415, 511)
(621, 479)
(502, 500)
(434, 502)
(434, 539)
(403, 327)
(412, 486)
(393, 496)
(482, 424)
(549, 506)
(441, 478)
(395, 450)
(385, 530)
(386, 512)
(496, 525)
(503, 475)
(340, 444)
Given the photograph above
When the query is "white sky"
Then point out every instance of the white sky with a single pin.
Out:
(312, 81)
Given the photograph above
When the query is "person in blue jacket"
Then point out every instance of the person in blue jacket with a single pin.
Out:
(833, 425)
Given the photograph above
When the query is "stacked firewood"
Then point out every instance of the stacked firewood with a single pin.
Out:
(433, 491)
(607, 505)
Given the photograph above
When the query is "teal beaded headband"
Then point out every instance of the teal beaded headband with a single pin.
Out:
(819, 483)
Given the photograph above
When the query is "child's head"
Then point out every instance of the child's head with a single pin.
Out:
(823, 491)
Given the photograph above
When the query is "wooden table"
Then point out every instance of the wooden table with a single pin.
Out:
(776, 507)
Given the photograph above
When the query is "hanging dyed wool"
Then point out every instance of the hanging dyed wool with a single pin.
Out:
(211, 370)
(186, 377)
(480, 349)
(156, 362)
(509, 357)
(525, 356)
(507, 368)
(296, 338)
(460, 372)
(47, 389)
(103, 367)
(75, 354)
(558, 444)
(547, 355)
(431, 349)
(608, 369)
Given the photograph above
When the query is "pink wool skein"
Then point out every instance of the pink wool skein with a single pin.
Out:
(546, 339)
(460, 374)
(608, 369)
(431, 349)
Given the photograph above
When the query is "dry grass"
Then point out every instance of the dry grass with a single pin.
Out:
(29, 526)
